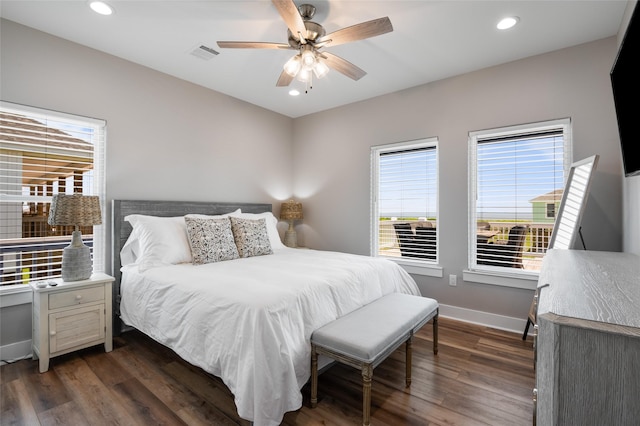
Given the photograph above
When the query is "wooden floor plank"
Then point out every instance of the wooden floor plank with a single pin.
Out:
(67, 414)
(46, 390)
(210, 389)
(15, 404)
(481, 376)
(91, 395)
(143, 406)
(175, 395)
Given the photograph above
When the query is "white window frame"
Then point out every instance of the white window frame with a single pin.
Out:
(414, 266)
(17, 293)
(504, 277)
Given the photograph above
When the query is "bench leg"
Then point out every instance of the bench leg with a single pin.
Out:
(314, 377)
(408, 352)
(367, 374)
(435, 334)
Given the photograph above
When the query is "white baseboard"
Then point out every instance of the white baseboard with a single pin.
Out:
(15, 351)
(500, 322)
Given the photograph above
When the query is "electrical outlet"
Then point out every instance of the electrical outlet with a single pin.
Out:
(453, 280)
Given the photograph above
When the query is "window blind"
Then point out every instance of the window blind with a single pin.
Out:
(517, 175)
(43, 153)
(406, 209)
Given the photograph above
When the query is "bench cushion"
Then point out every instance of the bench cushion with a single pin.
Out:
(376, 329)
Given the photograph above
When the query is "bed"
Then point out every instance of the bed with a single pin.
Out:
(246, 319)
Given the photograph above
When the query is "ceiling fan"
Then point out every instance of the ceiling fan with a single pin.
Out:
(309, 39)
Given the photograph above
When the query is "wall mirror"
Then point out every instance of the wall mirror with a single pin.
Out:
(574, 199)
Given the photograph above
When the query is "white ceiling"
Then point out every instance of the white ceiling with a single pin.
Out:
(431, 40)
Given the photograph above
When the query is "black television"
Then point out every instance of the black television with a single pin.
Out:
(625, 82)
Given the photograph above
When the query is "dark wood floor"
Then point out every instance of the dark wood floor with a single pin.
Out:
(480, 376)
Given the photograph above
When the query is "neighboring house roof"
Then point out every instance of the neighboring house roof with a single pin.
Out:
(47, 153)
(552, 196)
(24, 130)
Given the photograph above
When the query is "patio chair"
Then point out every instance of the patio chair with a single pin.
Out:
(420, 244)
(507, 254)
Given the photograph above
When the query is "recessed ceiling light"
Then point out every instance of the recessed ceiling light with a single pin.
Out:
(507, 22)
(294, 92)
(101, 7)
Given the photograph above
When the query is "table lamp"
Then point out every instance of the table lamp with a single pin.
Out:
(75, 210)
(291, 211)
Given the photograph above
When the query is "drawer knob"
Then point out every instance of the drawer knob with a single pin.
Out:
(52, 333)
(78, 297)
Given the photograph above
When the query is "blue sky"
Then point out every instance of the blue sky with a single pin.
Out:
(510, 175)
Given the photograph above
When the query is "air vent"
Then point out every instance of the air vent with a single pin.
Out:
(204, 52)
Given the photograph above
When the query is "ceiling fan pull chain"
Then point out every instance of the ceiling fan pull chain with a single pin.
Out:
(309, 83)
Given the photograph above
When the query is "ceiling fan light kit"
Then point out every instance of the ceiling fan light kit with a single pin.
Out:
(308, 38)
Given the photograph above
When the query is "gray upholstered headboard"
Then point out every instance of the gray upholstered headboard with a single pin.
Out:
(121, 229)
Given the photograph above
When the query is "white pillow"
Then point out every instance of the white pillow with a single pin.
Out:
(130, 250)
(271, 222)
(206, 216)
(161, 240)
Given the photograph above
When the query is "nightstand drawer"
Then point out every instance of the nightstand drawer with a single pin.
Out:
(76, 297)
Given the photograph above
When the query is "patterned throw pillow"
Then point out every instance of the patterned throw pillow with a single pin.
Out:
(211, 240)
(251, 237)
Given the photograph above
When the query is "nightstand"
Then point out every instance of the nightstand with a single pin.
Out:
(71, 316)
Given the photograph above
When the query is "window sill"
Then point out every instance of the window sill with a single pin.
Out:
(12, 295)
(421, 268)
(504, 279)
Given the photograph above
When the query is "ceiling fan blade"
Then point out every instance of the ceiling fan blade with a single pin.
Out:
(357, 32)
(284, 79)
(342, 66)
(252, 45)
(289, 12)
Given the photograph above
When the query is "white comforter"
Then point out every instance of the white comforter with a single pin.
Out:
(249, 321)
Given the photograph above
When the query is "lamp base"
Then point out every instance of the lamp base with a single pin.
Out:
(76, 260)
(291, 237)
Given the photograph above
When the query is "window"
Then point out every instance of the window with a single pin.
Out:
(405, 201)
(551, 210)
(43, 153)
(516, 180)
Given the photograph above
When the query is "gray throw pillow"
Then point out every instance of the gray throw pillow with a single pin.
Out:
(251, 237)
(211, 240)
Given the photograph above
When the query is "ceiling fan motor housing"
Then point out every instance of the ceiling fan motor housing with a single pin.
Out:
(307, 11)
(314, 31)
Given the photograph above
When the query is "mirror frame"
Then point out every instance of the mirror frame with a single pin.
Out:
(576, 192)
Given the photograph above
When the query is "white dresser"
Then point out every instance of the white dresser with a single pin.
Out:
(588, 339)
(71, 316)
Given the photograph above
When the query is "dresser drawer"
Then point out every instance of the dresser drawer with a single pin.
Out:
(76, 297)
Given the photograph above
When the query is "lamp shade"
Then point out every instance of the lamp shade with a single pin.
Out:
(76, 210)
(291, 210)
(292, 66)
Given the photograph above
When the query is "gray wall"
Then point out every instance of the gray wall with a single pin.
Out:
(169, 139)
(332, 160)
(166, 138)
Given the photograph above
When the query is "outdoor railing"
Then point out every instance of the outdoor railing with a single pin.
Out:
(536, 243)
(26, 259)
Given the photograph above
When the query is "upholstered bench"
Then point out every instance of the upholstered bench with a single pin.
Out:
(367, 336)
